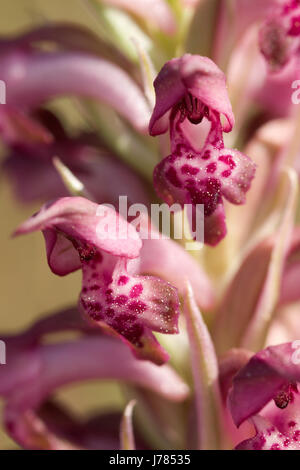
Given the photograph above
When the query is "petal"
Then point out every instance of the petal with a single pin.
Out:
(129, 306)
(192, 74)
(169, 90)
(96, 226)
(261, 380)
(267, 437)
(205, 81)
(238, 182)
(44, 76)
(93, 357)
(205, 375)
(215, 226)
(274, 44)
(229, 365)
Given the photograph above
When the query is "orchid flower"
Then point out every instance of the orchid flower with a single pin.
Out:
(202, 340)
(78, 235)
(196, 90)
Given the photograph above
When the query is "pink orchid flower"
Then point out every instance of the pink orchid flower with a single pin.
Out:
(80, 234)
(192, 89)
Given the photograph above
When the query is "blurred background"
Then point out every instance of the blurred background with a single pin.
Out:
(28, 288)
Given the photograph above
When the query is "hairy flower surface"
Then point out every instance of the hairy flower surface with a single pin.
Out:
(193, 89)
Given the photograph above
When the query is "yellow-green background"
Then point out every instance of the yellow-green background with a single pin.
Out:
(27, 287)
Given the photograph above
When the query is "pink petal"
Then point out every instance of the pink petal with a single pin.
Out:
(94, 357)
(80, 219)
(261, 380)
(44, 76)
(196, 75)
(229, 365)
(234, 187)
(129, 306)
(215, 227)
(204, 80)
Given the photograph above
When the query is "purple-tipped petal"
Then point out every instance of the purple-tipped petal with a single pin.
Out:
(205, 81)
(215, 226)
(80, 233)
(129, 306)
(190, 176)
(194, 75)
(264, 378)
(44, 76)
(78, 219)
